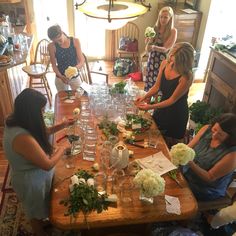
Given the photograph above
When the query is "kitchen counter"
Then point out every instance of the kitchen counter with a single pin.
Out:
(19, 56)
(13, 80)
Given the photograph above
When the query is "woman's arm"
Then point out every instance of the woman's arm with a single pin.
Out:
(198, 136)
(52, 52)
(28, 148)
(168, 44)
(154, 89)
(80, 57)
(223, 167)
(59, 126)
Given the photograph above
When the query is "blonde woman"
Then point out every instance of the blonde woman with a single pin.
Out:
(158, 47)
(173, 82)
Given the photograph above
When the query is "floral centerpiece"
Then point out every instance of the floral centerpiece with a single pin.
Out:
(83, 196)
(150, 184)
(150, 32)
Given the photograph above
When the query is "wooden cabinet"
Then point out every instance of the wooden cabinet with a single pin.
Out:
(220, 90)
(187, 24)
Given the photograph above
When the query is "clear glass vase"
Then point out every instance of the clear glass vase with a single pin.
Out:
(146, 199)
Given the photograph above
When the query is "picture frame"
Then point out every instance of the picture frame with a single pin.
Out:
(191, 3)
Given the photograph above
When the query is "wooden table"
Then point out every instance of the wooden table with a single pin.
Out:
(135, 213)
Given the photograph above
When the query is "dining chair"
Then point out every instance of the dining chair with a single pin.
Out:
(131, 31)
(86, 75)
(38, 69)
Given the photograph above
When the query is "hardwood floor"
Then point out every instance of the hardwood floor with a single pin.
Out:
(195, 93)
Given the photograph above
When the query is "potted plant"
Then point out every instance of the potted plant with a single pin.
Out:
(201, 113)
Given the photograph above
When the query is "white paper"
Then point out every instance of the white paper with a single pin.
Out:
(69, 101)
(157, 162)
(188, 10)
(172, 205)
(233, 184)
(86, 87)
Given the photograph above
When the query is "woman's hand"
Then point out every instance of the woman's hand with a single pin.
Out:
(139, 100)
(145, 106)
(64, 79)
(68, 122)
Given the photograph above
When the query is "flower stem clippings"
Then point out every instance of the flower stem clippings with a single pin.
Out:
(83, 197)
(150, 183)
(181, 154)
(150, 32)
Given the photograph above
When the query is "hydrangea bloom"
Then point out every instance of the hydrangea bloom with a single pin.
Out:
(71, 72)
(181, 154)
(150, 32)
(150, 183)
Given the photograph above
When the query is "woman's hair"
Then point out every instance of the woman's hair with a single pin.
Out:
(54, 31)
(184, 57)
(227, 122)
(27, 114)
(170, 23)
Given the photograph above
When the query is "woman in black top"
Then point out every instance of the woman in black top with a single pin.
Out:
(64, 52)
(172, 86)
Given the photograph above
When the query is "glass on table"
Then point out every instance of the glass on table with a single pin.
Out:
(100, 182)
(126, 192)
(153, 136)
(69, 159)
(89, 149)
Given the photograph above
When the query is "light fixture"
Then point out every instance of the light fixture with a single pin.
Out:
(113, 11)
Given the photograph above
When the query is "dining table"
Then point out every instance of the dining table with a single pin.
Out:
(118, 214)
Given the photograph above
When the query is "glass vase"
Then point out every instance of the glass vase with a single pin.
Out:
(145, 198)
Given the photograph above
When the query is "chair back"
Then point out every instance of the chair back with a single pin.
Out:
(130, 30)
(42, 53)
(84, 72)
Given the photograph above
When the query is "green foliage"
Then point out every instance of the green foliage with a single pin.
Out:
(84, 198)
(108, 127)
(137, 119)
(203, 113)
(118, 88)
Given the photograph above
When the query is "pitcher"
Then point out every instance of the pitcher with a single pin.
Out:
(120, 156)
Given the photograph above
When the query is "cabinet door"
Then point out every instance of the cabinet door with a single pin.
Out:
(6, 98)
(220, 85)
(188, 27)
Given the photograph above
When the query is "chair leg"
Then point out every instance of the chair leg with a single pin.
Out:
(48, 90)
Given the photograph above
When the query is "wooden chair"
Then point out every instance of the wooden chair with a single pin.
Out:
(130, 30)
(86, 75)
(38, 69)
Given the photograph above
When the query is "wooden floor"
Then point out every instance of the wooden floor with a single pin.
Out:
(195, 93)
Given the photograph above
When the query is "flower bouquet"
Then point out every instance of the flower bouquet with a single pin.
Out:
(150, 32)
(150, 184)
(180, 154)
(71, 74)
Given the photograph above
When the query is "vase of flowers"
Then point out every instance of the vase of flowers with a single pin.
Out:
(72, 75)
(150, 184)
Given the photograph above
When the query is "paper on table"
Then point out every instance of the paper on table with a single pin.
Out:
(233, 184)
(158, 163)
(86, 87)
(69, 101)
(172, 205)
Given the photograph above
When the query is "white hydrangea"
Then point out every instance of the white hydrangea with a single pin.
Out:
(181, 154)
(71, 72)
(150, 183)
(150, 32)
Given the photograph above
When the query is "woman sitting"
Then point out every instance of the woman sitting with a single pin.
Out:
(209, 174)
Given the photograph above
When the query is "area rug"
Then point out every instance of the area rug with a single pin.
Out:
(7, 181)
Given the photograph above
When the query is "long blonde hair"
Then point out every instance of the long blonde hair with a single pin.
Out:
(184, 57)
(170, 24)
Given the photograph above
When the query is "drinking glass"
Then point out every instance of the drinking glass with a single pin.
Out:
(153, 138)
(126, 192)
(100, 182)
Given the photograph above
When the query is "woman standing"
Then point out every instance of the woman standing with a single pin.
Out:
(31, 156)
(157, 47)
(64, 51)
(174, 80)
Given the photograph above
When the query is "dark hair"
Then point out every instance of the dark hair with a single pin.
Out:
(227, 122)
(27, 114)
(54, 31)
